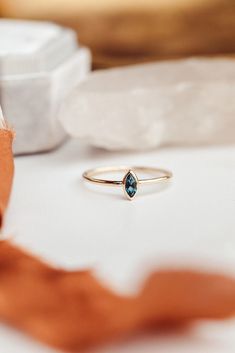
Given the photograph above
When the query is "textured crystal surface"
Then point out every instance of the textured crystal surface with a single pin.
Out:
(130, 184)
(188, 101)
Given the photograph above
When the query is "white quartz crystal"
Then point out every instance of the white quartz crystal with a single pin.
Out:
(188, 101)
(40, 63)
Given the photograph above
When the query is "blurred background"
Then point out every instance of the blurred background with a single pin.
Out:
(132, 31)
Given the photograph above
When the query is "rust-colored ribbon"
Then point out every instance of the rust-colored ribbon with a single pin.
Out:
(73, 310)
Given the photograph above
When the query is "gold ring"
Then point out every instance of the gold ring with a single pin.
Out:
(130, 181)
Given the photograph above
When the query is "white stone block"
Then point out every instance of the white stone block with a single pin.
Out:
(2, 122)
(188, 101)
(40, 64)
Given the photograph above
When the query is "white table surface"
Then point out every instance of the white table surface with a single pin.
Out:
(190, 223)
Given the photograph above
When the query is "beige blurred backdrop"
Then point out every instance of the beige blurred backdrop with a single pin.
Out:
(132, 31)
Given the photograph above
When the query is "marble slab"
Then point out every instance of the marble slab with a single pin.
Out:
(40, 63)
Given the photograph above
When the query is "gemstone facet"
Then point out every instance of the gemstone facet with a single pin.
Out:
(130, 184)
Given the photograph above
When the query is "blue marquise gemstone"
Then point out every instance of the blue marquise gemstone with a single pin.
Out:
(130, 185)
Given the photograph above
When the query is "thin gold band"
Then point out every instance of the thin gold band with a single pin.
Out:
(89, 174)
(163, 174)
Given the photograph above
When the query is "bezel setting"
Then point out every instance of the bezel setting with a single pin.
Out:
(130, 175)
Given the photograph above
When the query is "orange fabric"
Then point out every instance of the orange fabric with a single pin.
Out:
(73, 310)
(6, 168)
